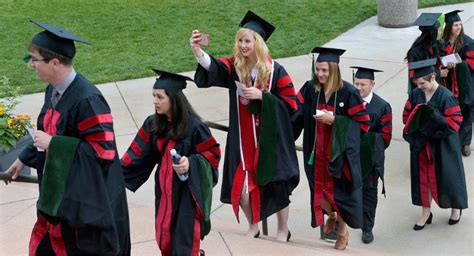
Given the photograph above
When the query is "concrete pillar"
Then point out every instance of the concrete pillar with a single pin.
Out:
(396, 13)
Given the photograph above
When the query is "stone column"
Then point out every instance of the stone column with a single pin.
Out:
(396, 13)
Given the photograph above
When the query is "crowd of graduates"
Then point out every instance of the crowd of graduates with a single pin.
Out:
(346, 127)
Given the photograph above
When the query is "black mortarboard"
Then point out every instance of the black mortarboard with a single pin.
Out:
(256, 23)
(170, 81)
(328, 54)
(452, 16)
(427, 21)
(365, 73)
(57, 39)
(423, 68)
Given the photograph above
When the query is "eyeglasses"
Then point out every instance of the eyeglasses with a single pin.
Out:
(29, 58)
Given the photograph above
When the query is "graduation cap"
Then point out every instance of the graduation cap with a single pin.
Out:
(423, 68)
(365, 73)
(328, 54)
(57, 39)
(452, 16)
(256, 23)
(170, 81)
(427, 21)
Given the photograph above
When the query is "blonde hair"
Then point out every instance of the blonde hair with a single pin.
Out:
(242, 65)
(334, 82)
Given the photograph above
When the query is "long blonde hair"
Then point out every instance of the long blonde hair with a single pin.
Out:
(334, 82)
(242, 66)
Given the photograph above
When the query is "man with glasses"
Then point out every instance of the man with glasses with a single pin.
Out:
(82, 207)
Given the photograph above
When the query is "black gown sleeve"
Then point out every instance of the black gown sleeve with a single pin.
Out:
(217, 75)
(140, 158)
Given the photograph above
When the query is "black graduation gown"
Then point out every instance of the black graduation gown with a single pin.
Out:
(182, 207)
(435, 156)
(379, 136)
(91, 214)
(273, 195)
(339, 181)
(460, 81)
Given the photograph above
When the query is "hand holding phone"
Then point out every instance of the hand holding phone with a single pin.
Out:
(204, 39)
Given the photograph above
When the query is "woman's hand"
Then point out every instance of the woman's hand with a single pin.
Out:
(182, 167)
(42, 140)
(252, 93)
(326, 118)
(451, 65)
(194, 42)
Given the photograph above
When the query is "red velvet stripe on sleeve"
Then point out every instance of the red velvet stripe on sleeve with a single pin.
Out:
(362, 118)
(95, 120)
(126, 159)
(470, 59)
(300, 98)
(357, 108)
(102, 152)
(210, 150)
(386, 118)
(143, 135)
(206, 144)
(406, 111)
(450, 111)
(453, 124)
(136, 148)
(94, 138)
(228, 62)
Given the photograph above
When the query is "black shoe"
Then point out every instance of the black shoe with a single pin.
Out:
(257, 235)
(367, 237)
(428, 221)
(288, 236)
(466, 150)
(453, 222)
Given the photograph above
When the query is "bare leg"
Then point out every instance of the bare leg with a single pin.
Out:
(455, 214)
(426, 211)
(245, 205)
(282, 217)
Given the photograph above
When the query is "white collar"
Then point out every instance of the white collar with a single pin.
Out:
(369, 97)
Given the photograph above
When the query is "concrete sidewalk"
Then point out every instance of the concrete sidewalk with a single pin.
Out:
(367, 44)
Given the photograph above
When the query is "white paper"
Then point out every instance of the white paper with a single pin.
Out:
(32, 133)
(450, 58)
(240, 88)
(320, 113)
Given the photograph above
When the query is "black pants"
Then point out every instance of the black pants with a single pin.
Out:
(465, 132)
(369, 202)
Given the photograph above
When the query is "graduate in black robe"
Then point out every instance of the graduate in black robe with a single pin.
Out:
(332, 114)
(373, 145)
(260, 166)
(432, 117)
(82, 207)
(426, 46)
(460, 80)
(183, 192)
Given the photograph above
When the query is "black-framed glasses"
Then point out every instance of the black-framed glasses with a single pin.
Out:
(29, 58)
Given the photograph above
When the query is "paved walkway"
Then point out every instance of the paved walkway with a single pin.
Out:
(367, 44)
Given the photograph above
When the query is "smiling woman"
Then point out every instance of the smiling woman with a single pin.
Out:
(261, 97)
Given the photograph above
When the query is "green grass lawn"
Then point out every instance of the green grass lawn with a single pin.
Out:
(131, 37)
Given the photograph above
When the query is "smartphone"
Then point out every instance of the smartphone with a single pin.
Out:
(204, 39)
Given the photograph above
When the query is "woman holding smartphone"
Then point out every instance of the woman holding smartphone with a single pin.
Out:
(260, 166)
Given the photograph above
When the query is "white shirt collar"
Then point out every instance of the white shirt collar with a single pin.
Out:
(369, 97)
